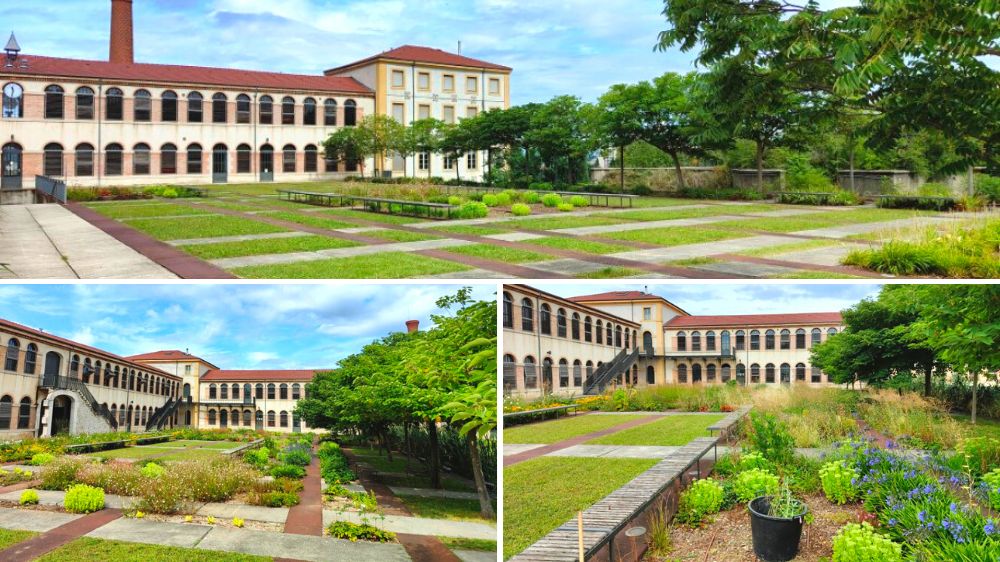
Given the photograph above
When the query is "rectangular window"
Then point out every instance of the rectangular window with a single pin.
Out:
(143, 108)
(448, 83)
(449, 114)
(398, 79)
(494, 86)
(85, 163)
(85, 106)
(472, 161)
(471, 85)
(270, 392)
(449, 163)
(196, 111)
(425, 161)
(187, 369)
(424, 112)
(399, 112)
(471, 112)
(168, 162)
(141, 162)
(243, 111)
(169, 110)
(647, 313)
(424, 81)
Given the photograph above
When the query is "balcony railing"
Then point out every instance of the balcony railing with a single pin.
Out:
(703, 354)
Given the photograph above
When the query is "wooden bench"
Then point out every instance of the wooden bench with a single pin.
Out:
(554, 411)
(313, 198)
(595, 198)
(417, 209)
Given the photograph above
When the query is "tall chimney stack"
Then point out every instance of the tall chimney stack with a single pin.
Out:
(412, 326)
(121, 32)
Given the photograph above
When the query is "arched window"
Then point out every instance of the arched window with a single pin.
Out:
(212, 392)
(545, 320)
(270, 391)
(283, 391)
(330, 113)
(54, 102)
(114, 108)
(168, 159)
(563, 373)
(84, 103)
(6, 404)
(575, 326)
(84, 160)
(30, 358)
(288, 159)
(710, 373)
(243, 109)
(577, 373)
(741, 340)
(244, 158)
(786, 373)
(786, 339)
(107, 374)
(309, 112)
(530, 373)
(266, 110)
(561, 323)
(681, 341)
(726, 343)
(53, 160)
(682, 373)
(247, 417)
(527, 315)
(618, 336)
(87, 370)
(709, 341)
(508, 311)
(800, 372)
(13, 101)
(223, 392)
(284, 418)
(590, 371)
(220, 108)
(831, 332)
(168, 107)
(196, 109)
(350, 113)
(816, 375)
(695, 341)
(74, 365)
(769, 339)
(113, 160)
(817, 336)
(800, 339)
(194, 156)
(755, 373)
(270, 418)
(588, 329)
(650, 375)
(288, 111)
(609, 337)
(258, 391)
(741, 374)
(312, 159)
(769, 373)
(695, 373)
(296, 391)
(509, 373)
(727, 372)
(143, 106)
(754, 340)
(211, 417)
(141, 160)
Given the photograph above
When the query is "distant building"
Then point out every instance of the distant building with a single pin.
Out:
(585, 344)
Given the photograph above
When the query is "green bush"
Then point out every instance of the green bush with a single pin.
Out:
(924, 203)
(491, 200)
(802, 176)
(60, 474)
(755, 483)
(579, 201)
(520, 210)
(541, 186)
(473, 210)
(703, 498)
(355, 532)
(752, 460)
(860, 543)
(551, 200)
(770, 437)
(29, 497)
(333, 464)
(296, 457)
(280, 499)
(934, 190)
(988, 187)
(455, 200)
(839, 482)
(566, 207)
(82, 498)
(152, 470)
(531, 198)
(504, 199)
(992, 479)
(257, 458)
(41, 459)
(288, 471)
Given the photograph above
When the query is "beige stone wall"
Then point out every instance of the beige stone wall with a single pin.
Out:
(210, 409)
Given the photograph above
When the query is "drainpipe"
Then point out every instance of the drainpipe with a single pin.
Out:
(100, 126)
(253, 151)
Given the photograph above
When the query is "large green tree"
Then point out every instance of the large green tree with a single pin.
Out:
(559, 133)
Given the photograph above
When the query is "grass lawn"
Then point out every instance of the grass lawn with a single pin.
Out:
(382, 464)
(9, 538)
(675, 236)
(555, 222)
(372, 217)
(443, 508)
(474, 230)
(543, 493)
(266, 247)
(201, 227)
(819, 220)
(192, 455)
(228, 205)
(984, 427)
(469, 544)
(390, 265)
(401, 236)
(709, 211)
(611, 273)
(499, 253)
(146, 211)
(309, 220)
(816, 275)
(415, 481)
(99, 550)
(565, 428)
(578, 245)
(788, 248)
(671, 430)
(650, 202)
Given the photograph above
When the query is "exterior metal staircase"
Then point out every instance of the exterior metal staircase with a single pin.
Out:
(161, 416)
(56, 382)
(607, 372)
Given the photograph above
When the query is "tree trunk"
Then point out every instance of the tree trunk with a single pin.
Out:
(485, 502)
(387, 444)
(677, 168)
(407, 444)
(760, 166)
(850, 157)
(434, 455)
(489, 166)
(621, 166)
(975, 394)
(928, 368)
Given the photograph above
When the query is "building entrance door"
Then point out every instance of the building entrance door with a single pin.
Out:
(62, 408)
(220, 164)
(266, 163)
(11, 166)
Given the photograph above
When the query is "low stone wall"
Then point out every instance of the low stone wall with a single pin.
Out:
(774, 180)
(663, 180)
(878, 182)
(17, 196)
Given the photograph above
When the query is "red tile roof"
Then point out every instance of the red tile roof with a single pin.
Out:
(616, 296)
(260, 375)
(82, 348)
(413, 53)
(752, 320)
(167, 355)
(184, 75)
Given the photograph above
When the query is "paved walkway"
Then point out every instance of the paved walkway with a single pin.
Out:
(614, 452)
(55, 537)
(306, 518)
(510, 460)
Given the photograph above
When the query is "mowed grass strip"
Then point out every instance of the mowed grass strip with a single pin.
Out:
(675, 236)
(499, 253)
(709, 211)
(669, 431)
(819, 220)
(401, 236)
(266, 247)
(93, 550)
(390, 265)
(781, 249)
(372, 217)
(611, 273)
(566, 428)
(229, 206)
(482, 545)
(556, 222)
(475, 230)
(202, 227)
(443, 508)
(10, 537)
(543, 493)
(125, 212)
(309, 220)
(578, 245)
(652, 202)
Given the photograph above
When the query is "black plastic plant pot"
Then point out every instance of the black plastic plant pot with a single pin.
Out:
(775, 539)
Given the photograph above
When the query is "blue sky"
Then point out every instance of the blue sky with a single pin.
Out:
(737, 298)
(233, 326)
(556, 46)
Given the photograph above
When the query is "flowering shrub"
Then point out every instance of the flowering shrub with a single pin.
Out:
(333, 464)
(754, 483)
(82, 498)
(839, 482)
(195, 481)
(355, 532)
(288, 471)
(28, 497)
(119, 478)
(152, 470)
(12, 477)
(702, 499)
(61, 473)
(40, 459)
(297, 455)
(860, 543)
(752, 460)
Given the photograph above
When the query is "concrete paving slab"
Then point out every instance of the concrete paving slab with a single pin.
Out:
(646, 225)
(55, 497)
(515, 236)
(786, 213)
(747, 269)
(471, 274)
(615, 452)
(278, 259)
(360, 229)
(25, 251)
(851, 229)
(419, 525)
(567, 266)
(475, 555)
(249, 512)
(152, 532)
(516, 448)
(431, 493)
(689, 251)
(38, 521)
(27, 467)
(244, 238)
(830, 256)
(299, 547)
(654, 276)
(587, 213)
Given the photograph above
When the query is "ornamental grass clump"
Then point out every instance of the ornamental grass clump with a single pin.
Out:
(61, 473)
(566, 207)
(520, 210)
(860, 543)
(551, 200)
(123, 479)
(754, 483)
(839, 482)
(82, 498)
(41, 459)
(491, 200)
(579, 201)
(703, 498)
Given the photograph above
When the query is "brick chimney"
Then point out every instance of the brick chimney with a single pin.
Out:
(121, 32)
(412, 326)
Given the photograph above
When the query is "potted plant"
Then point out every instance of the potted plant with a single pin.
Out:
(776, 525)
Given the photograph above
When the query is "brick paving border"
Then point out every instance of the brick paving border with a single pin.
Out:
(845, 269)
(306, 518)
(46, 542)
(541, 451)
